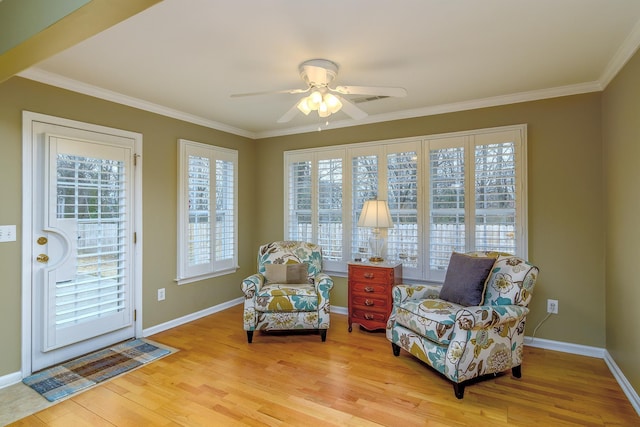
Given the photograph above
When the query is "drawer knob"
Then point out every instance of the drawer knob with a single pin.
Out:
(368, 289)
(368, 302)
(368, 316)
(368, 275)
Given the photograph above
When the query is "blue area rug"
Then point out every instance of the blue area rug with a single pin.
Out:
(62, 380)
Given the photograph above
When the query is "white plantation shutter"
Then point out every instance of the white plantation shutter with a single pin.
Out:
(299, 202)
(199, 229)
(496, 192)
(402, 197)
(364, 178)
(207, 211)
(462, 191)
(91, 206)
(330, 208)
(447, 217)
(225, 235)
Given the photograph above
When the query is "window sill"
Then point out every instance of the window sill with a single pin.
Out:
(185, 280)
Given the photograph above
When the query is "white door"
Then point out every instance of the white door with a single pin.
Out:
(82, 242)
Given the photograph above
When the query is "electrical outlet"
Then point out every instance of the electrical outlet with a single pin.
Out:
(7, 233)
(552, 306)
(161, 295)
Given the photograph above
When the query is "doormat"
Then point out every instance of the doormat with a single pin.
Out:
(65, 379)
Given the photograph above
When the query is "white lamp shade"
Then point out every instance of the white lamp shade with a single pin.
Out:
(375, 214)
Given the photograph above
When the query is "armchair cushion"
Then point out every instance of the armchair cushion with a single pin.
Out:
(466, 279)
(287, 297)
(286, 273)
(431, 318)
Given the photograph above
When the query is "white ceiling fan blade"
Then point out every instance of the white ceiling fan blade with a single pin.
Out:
(399, 92)
(270, 92)
(351, 110)
(286, 117)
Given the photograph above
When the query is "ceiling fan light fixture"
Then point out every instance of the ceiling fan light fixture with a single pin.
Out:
(323, 110)
(314, 100)
(303, 106)
(333, 103)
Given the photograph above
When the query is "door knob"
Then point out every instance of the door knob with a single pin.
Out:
(42, 240)
(43, 258)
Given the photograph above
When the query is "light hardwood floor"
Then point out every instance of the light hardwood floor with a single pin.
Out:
(353, 379)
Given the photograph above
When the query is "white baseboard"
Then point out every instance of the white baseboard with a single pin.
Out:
(10, 379)
(191, 317)
(565, 347)
(340, 310)
(622, 380)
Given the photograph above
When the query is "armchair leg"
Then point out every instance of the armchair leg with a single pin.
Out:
(458, 389)
(396, 349)
(323, 334)
(517, 371)
(250, 336)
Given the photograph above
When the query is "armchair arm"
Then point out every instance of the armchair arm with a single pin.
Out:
(323, 283)
(486, 316)
(402, 293)
(252, 284)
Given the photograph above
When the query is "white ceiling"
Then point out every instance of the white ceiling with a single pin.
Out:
(184, 58)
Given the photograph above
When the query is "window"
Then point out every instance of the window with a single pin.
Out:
(207, 211)
(453, 192)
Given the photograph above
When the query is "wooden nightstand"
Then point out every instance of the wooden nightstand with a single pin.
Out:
(370, 293)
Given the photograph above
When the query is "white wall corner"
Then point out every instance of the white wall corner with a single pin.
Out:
(626, 386)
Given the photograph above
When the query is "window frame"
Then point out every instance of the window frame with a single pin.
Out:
(422, 145)
(216, 266)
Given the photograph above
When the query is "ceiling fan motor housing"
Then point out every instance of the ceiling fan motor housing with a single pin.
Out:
(318, 72)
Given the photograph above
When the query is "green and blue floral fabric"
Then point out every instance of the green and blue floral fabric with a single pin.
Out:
(269, 306)
(466, 342)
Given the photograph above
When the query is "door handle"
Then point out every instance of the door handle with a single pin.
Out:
(43, 258)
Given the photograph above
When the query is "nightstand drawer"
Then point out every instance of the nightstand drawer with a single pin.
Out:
(370, 275)
(366, 302)
(372, 316)
(369, 288)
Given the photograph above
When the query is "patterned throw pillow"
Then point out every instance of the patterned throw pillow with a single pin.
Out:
(466, 279)
(286, 273)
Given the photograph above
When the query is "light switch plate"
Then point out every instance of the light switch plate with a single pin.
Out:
(7, 233)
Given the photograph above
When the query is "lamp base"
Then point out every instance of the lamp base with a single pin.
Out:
(376, 259)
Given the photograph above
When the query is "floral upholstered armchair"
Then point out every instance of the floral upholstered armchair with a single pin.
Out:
(471, 336)
(289, 291)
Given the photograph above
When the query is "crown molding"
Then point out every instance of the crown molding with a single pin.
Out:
(535, 95)
(97, 92)
(622, 56)
(495, 101)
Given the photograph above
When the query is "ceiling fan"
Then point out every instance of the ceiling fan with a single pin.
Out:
(318, 74)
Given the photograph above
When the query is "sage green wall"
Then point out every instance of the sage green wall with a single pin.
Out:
(566, 232)
(160, 135)
(621, 136)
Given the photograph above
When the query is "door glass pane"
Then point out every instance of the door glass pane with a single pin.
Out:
(91, 201)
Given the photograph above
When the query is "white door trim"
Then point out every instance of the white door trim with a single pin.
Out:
(28, 147)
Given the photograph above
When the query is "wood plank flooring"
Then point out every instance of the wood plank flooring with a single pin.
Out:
(353, 379)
